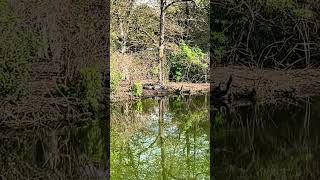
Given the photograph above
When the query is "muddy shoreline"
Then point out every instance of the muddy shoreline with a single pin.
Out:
(270, 85)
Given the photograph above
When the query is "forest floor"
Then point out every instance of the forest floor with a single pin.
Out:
(269, 84)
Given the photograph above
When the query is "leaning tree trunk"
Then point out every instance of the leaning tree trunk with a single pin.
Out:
(161, 43)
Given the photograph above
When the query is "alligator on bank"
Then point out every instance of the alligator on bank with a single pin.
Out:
(154, 89)
(156, 86)
(163, 90)
(159, 87)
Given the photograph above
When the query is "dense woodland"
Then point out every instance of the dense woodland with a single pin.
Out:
(267, 33)
(160, 40)
(172, 41)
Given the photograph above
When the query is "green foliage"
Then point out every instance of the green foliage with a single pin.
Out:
(17, 48)
(115, 76)
(219, 42)
(219, 38)
(90, 88)
(86, 86)
(154, 71)
(195, 56)
(113, 41)
(138, 106)
(176, 68)
(137, 89)
(189, 64)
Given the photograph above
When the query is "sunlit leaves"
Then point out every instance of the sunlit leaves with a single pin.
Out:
(188, 63)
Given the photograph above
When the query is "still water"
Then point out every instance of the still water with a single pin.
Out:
(267, 141)
(165, 138)
(169, 138)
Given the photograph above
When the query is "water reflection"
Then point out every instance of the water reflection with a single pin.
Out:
(63, 152)
(267, 141)
(166, 138)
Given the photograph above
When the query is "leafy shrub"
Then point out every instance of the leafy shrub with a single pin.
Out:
(154, 71)
(90, 88)
(85, 86)
(137, 106)
(137, 89)
(115, 75)
(189, 64)
(220, 41)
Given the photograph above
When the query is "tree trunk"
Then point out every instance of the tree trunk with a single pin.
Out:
(161, 43)
(186, 22)
(123, 37)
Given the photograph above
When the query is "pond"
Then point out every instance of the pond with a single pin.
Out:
(267, 141)
(169, 138)
(165, 138)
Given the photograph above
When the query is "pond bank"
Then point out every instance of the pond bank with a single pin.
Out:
(123, 93)
(270, 85)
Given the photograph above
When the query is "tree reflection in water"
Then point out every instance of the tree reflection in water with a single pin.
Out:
(267, 141)
(167, 138)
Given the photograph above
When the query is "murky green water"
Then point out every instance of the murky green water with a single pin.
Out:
(166, 138)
